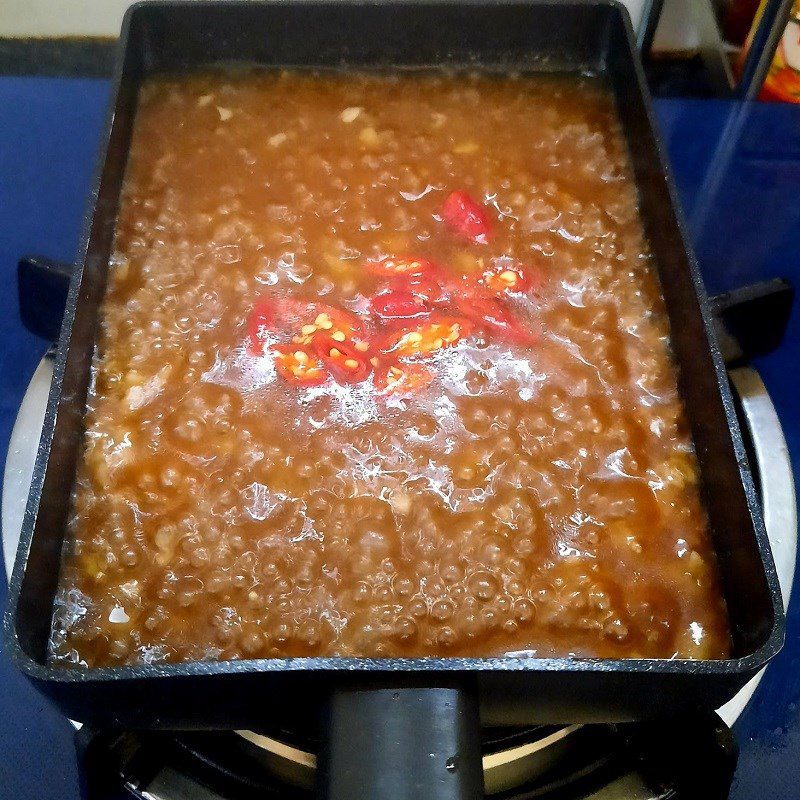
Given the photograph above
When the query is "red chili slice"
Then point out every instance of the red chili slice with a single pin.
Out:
(495, 317)
(347, 361)
(273, 318)
(428, 337)
(393, 266)
(466, 218)
(299, 366)
(431, 288)
(517, 278)
(399, 304)
(331, 321)
(402, 378)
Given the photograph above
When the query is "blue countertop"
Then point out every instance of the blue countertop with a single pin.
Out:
(738, 173)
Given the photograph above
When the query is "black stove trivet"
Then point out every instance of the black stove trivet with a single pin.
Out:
(686, 759)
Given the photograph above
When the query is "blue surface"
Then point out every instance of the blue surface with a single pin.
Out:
(49, 132)
(738, 173)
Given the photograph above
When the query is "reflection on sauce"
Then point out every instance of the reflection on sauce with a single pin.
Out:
(521, 483)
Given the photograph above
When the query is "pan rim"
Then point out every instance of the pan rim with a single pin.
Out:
(39, 671)
(421, 665)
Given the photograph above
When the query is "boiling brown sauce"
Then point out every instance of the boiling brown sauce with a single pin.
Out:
(537, 495)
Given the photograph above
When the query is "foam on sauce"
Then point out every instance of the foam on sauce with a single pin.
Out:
(533, 497)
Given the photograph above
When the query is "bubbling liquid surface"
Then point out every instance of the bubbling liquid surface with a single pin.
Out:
(527, 485)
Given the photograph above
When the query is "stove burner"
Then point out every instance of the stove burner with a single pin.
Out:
(651, 761)
(511, 757)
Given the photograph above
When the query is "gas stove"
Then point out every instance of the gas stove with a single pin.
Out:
(680, 758)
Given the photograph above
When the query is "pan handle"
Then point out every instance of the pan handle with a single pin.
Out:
(401, 743)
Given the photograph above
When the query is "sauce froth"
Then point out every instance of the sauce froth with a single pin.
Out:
(383, 371)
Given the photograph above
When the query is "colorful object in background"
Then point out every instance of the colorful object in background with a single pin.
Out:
(737, 18)
(783, 79)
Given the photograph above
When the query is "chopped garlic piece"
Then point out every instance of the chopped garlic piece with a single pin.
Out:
(142, 392)
(369, 137)
(350, 114)
(400, 502)
(118, 615)
(224, 113)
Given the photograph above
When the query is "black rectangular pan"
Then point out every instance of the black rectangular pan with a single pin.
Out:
(358, 34)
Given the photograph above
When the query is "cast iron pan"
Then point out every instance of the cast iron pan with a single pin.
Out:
(398, 728)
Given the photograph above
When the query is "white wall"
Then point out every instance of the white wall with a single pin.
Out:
(61, 17)
(676, 28)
